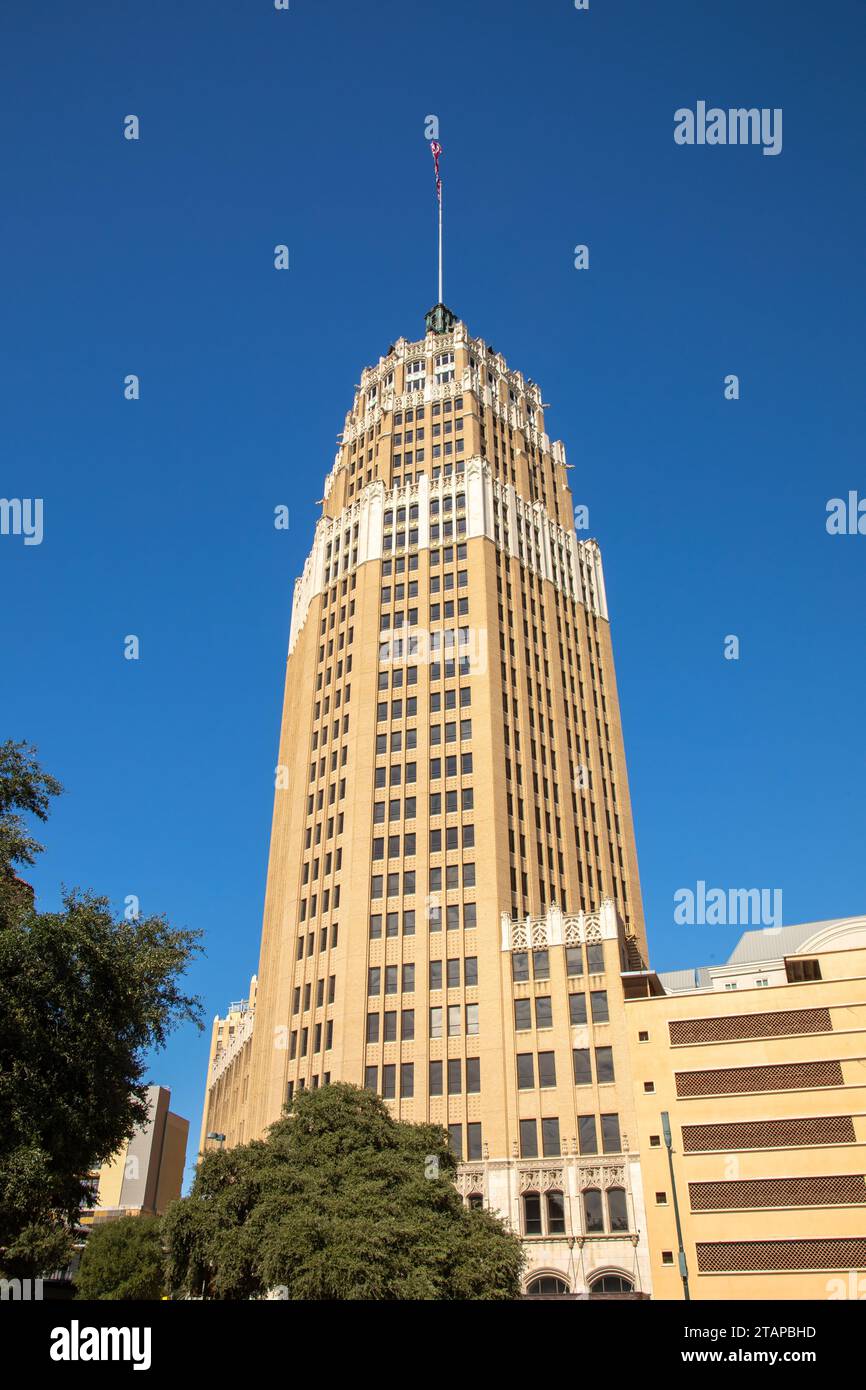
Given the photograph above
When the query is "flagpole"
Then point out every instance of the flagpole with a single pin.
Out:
(436, 150)
(440, 300)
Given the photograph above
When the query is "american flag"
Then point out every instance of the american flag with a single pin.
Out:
(436, 150)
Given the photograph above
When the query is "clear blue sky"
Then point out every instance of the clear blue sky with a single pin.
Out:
(306, 127)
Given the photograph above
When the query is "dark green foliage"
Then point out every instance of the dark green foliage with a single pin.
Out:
(337, 1203)
(83, 998)
(122, 1259)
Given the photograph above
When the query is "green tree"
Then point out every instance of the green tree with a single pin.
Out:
(340, 1201)
(83, 998)
(122, 1259)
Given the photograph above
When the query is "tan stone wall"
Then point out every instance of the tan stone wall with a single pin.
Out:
(567, 736)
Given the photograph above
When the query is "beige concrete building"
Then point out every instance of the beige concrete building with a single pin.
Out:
(147, 1173)
(228, 1072)
(760, 1065)
(453, 885)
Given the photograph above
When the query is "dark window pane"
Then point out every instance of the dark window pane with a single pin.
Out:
(546, 1069)
(531, 1214)
(525, 1071)
(617, 1210)
(593, 1214)
(586, 1133)
(604, 1064)
(555, 1214)
(574, 960)
(595, 959)
(582, 1067)
(610, 1139)
(541, 965)
(520, 965)
(598, 999)
(543, 1012)
(473, 1140)
(522, 1014)
(577, 1008)
(550, 1138)
(528, 1138)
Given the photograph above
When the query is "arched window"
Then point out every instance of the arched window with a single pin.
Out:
(612, 1283)
(555, 1214)
(593, 1212)
(476, 1200)
(617, 1209)
(531, 1214)
(546, 1284)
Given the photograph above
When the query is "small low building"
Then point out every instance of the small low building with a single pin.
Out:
(756, 1070)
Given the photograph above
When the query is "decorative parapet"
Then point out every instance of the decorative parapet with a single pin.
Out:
(494, 510)
(558, 929)
(242, 1035)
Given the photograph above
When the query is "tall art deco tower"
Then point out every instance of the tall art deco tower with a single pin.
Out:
(453, 904)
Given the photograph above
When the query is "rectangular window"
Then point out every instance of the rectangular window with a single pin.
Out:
(436, 1022)
(611, 1142)
(472, 1025)
(582, 1067)
(371, 1078)
(520, 966)
(604, 1064)
(577, 1008)
(435, 1078)
(586, 1134)
(407, 1025)
(522, 1014)
(574, 960)
(525, 1071)
(454, 1020)
(528, 1138)
(435, 981)
(372, 1028)
(550, 1146)
(543, 1012)
(473, 1140)
(374, 980)
(455, 1076)
(598, 1001)
(473, 1075)
(595, 959)
(407, 1080)
(547, 1069)
(541, 965)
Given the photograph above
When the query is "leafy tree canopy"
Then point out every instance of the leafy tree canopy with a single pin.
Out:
(122, 1259)
(340, 1201)
(83, 998)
